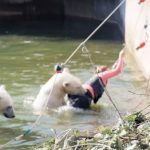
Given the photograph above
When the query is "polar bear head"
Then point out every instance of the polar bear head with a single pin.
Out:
(6, 106)
(70, 83)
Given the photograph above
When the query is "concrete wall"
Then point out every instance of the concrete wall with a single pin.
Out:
(137, 31)
(75, 15)
(95, 9)
(89, 9)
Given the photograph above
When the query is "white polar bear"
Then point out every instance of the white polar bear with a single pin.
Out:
(55, 89)
(6, 105)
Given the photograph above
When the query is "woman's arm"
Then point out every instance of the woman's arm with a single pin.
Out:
(113, 72)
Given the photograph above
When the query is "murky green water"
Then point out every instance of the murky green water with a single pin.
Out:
(27, 62)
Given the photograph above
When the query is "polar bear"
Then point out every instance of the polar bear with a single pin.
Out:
(6, 105)
(54, 90)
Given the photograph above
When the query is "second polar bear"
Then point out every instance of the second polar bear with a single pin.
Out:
(6, 104)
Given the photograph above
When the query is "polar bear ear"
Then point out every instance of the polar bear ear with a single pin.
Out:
(66, 70)
(66, 84)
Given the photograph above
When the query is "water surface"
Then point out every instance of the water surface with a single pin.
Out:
(27, 62)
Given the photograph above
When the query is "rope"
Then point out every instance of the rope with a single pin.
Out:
(85, 50)
(111, 100)
(105, 89)
(26, 132)
(100, 25)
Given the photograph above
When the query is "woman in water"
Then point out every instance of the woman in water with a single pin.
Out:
(94, 88)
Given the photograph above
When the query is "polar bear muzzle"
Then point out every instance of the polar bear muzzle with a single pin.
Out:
(9, 112)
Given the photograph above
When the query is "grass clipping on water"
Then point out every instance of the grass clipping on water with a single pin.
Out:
(133, 134)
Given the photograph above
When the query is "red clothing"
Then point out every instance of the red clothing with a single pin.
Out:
(104, 76)
(113, 72)
(94, 88)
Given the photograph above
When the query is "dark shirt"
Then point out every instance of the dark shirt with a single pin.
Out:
(84, 101)
(97, 85)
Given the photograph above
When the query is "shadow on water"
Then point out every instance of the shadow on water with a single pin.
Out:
(76, 28)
